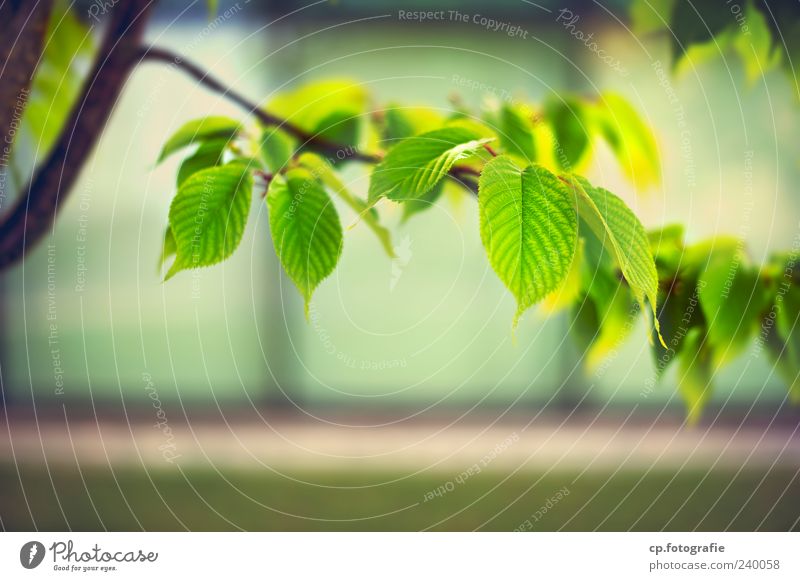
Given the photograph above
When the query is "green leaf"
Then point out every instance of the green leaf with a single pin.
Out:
(698, 54)
(618, 228)
(694, 374)
(667, 246)
(788, 329)
(305, 229)
(325, 173)
(584, 324)
(786, 365)
(782, 340)
(402, 122)
(415, 165)
(205, 129)
(679, 312)
(788, 318)
(607, 299)
(732, 299)
(528, 228)
(649, 16)
(277, 148)
(630, 138)
(208, 216)
(567, 120)
(570, 289)
(516, 132)
(342, 126)
(331, 109)
(208, 154)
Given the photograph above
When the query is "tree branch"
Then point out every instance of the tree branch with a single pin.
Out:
(213, 84)
(459, 173)
(21, 48)
(34, 213)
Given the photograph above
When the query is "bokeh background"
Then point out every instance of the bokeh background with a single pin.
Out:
(210, 402)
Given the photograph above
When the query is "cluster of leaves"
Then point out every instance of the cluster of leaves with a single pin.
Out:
(714, 303)
(763, 34)
(549, 234)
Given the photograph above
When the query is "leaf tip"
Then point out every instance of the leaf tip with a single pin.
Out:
(657, 326)
(176, 267)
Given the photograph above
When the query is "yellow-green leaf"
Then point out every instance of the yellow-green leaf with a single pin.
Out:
(208, 216)
(528, 228)
(618, 228)
(416, 164)
(305, 229)
(205, 129)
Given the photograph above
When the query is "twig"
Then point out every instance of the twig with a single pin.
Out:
(210, 82)
(339, 151)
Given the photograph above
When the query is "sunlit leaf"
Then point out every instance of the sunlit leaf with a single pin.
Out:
(566, 118)
(516, 132)
(755, 46)
(305, 229)
(331, 109)
(618, 228)
(415, 165)
(198, 130)
(277, 148)
(208, 154)
(611, 303)
(694, 374)
(630, 138)
(402, 122)
(569, 291)
(649, 16)
(528, 228)
(732, 300)
(208, 216)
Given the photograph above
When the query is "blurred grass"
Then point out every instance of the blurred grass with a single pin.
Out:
(197, 499)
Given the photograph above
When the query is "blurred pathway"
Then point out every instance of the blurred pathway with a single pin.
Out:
(369, 443)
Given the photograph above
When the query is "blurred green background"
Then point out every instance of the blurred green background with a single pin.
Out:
(437, 335)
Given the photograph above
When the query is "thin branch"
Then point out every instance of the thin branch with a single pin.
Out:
(210, 82)
(461, 174)
(464, 175)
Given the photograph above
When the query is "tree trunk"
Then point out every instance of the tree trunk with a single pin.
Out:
(35, 211)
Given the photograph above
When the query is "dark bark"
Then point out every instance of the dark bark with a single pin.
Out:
(35, 211)
(21, 47)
